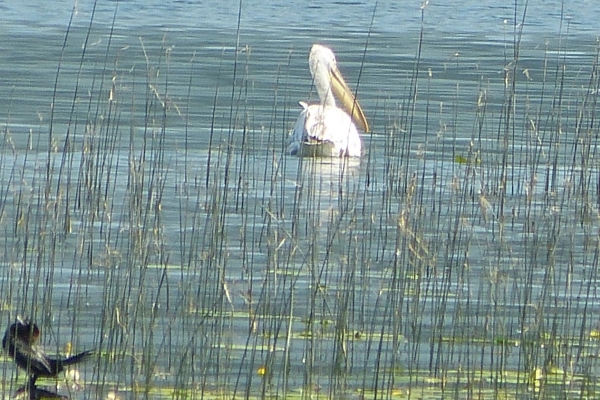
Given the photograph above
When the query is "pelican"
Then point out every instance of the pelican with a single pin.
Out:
(324, 129)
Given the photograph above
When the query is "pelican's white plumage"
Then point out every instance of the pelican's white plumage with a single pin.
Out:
(324, 129)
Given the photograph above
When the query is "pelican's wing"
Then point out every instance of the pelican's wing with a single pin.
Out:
(299, 132)
(328, 126)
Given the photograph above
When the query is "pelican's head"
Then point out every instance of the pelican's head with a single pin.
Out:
(330, 82)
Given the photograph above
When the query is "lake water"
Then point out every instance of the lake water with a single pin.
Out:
(149, 210)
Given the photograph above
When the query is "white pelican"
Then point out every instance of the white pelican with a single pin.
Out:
(324, 129)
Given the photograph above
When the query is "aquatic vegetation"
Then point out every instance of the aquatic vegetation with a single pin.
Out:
(153, 207)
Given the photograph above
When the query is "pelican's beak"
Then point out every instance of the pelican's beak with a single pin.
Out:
(342, 92)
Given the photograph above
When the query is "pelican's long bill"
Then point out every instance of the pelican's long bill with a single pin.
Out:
(342, 92)
(324, 129)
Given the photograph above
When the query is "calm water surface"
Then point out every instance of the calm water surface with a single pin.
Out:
(148, 203)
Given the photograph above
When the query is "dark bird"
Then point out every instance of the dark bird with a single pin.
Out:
(19, 342)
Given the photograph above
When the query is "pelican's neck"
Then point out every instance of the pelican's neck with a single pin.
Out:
(322, 81)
